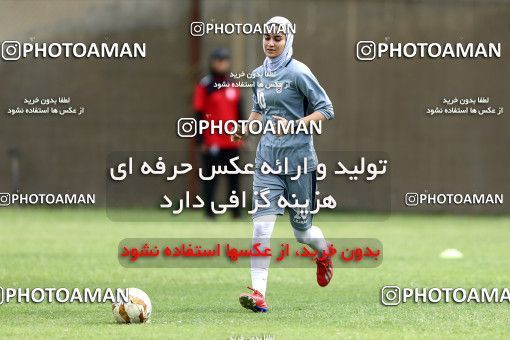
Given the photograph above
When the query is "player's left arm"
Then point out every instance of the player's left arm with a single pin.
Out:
(317, 98)
(315, 116)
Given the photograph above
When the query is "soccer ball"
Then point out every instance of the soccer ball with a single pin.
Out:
(137, 310)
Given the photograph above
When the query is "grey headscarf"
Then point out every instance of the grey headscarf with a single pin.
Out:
(273, 64)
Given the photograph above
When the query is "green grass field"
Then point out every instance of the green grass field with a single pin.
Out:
(78, 248)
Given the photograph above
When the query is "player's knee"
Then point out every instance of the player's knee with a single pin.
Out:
(262, 229)
(301, 236)
(301, 240)
(263, 226)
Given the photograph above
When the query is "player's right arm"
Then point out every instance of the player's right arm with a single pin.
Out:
(256, 114)
(240, 134)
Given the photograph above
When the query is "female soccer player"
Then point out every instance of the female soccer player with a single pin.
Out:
(285, 90)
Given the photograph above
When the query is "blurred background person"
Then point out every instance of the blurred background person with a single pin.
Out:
(217, 103)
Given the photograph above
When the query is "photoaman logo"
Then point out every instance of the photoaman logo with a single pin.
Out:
(14, 50)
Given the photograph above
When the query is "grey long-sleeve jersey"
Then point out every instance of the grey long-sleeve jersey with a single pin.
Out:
(295, 94)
